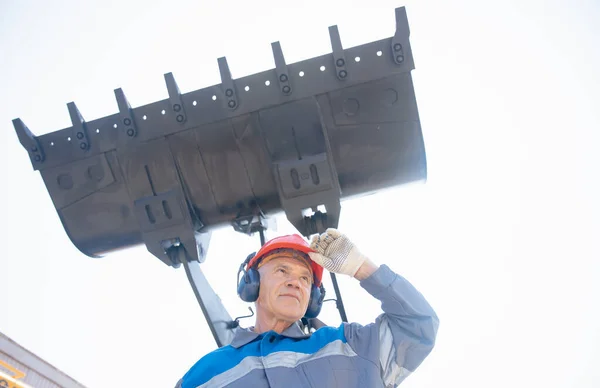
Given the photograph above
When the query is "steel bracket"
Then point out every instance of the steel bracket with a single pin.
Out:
(302, 164)
(250, 220)
(307, 184)
(164, 218)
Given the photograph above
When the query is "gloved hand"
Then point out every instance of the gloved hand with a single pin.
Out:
(336, 253)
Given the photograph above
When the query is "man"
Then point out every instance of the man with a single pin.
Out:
(277, 353)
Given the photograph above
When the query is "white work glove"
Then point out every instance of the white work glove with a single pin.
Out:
(336, 253)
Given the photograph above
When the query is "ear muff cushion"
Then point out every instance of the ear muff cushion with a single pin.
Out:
(317, 294)
(249, 283)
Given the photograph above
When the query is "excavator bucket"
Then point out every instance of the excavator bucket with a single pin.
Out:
(297, 138)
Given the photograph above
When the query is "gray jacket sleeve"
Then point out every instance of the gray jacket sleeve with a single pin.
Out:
(400, 338)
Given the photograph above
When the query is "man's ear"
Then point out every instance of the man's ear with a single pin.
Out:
(261, 275)
(262, 271)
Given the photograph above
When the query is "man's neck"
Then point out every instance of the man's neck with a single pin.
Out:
(277, 325)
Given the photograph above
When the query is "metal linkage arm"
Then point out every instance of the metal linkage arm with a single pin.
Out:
(218, 319)
(338, 298)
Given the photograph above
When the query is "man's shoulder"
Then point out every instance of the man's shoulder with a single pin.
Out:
(214, 363)
(222, 354)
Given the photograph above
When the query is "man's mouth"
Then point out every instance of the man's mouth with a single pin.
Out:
(292, 296)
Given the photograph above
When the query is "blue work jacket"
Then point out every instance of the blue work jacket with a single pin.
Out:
(380, 354)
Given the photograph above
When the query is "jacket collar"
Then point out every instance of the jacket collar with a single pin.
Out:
(244, 336)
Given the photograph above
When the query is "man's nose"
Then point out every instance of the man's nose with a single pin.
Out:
(293, 281)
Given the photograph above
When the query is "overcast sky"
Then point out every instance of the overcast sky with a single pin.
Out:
(502, 239)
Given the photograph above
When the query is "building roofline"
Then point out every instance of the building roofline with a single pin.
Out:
(24, 356)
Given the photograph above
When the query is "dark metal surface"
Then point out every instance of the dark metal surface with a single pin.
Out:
(204, 155)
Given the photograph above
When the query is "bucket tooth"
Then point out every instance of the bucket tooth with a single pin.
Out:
(126, 115)
(283, 76)
(400, 38)
(227, 85)
(30, 142)
(79, 127)
(339, 59)
(175, 99)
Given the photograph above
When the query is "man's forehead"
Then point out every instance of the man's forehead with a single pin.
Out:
(287, 258)
(292, 261)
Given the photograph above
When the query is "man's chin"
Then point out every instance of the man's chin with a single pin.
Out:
(290, 315)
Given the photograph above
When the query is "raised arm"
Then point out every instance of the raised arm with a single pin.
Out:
(400, 338)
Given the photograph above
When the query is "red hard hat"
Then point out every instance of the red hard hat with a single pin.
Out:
(292, 241)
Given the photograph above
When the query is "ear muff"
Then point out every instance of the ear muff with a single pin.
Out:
(249, 286)
(317, 295)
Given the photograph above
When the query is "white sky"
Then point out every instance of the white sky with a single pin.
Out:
(502, 239)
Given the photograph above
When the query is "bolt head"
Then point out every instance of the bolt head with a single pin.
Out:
(340, 62)
(80, 135)
(397, 47)
(286, 89)
(127, 121)
(38, 158)
(399, 58)
(229, 92)
(83, 145)
(130, 132)
(34, 149)
(176, 107)
(231, 104)
(283, 77)
(179, 118)
(343, 74)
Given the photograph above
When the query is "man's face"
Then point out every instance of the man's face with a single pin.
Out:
(285, 285)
